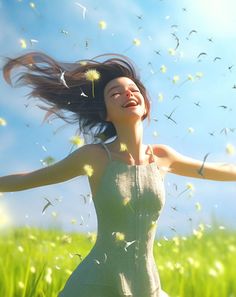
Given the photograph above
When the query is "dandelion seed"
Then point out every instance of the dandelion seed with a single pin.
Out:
(170, 265)
(77, 140)
(175, 79)
(83, 63)
(88, 170)
(190, 77)
(190, 130)
(54, 214)
(47, 161)
(68, 271)
(171, 51)
(83, 7)
(219, 266)
(198, 206)
(62, 79)
(102, 25)
(21, 285)
(212, 272)
(201, 227)
(23, 43)
(32, 237)
(136, 42)
(163, 69)
(57, 267)
(32, 5)
(3, 122)
(32, 41)
(32, 269)
(98, 262)
(48, 276)
(127, 244)
(222, 227)
(155, 134)
(92, 75)
(126, 200)
(160, 97)
(199, 75)
(176, 240)
(20, 249)
(73, 221)
(231, 248)
(197, 233)
(230, 149)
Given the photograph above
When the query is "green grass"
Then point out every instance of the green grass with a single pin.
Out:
(37, 263)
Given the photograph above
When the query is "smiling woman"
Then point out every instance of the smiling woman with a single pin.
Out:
(128, 176)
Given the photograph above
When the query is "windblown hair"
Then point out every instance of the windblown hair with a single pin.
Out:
(64, 86)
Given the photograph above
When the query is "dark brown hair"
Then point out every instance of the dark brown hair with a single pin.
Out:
(63, 86)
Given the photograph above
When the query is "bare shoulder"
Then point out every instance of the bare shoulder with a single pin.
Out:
(165, 151)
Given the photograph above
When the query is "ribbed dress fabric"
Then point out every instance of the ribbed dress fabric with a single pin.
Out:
(128, 203)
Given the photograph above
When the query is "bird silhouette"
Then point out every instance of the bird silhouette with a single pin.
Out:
(47, 205)
(200, 171)
(169, 116)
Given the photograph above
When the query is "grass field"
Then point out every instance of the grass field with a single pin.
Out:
(37, 263)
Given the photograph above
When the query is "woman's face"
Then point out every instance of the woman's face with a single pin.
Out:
(117, 93)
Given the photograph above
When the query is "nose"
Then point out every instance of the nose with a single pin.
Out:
(128, 93)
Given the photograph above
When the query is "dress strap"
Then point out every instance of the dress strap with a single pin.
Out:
(108, 152)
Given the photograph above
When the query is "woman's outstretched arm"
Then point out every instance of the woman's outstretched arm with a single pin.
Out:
(68, 168)
(183, 165)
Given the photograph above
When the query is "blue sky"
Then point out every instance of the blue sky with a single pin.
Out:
(61, 30)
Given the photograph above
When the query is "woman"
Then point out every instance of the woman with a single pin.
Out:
(126, 176)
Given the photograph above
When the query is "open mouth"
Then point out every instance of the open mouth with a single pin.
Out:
(130, 104)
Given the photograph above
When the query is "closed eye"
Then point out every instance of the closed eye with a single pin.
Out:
(115, 94)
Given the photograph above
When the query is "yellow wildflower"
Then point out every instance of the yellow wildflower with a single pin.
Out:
(123, 147)
(163, 69)
(3, 122)
(119, 236)
(136, 41)
(88, 170)
(102, 25)
(23, 43)
(190, 186)
(92, 75)
(230, 149)
(77, 140)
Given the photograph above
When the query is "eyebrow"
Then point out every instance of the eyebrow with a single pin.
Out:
(118, 86)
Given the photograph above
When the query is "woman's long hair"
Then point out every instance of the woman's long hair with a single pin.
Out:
(64, 86)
